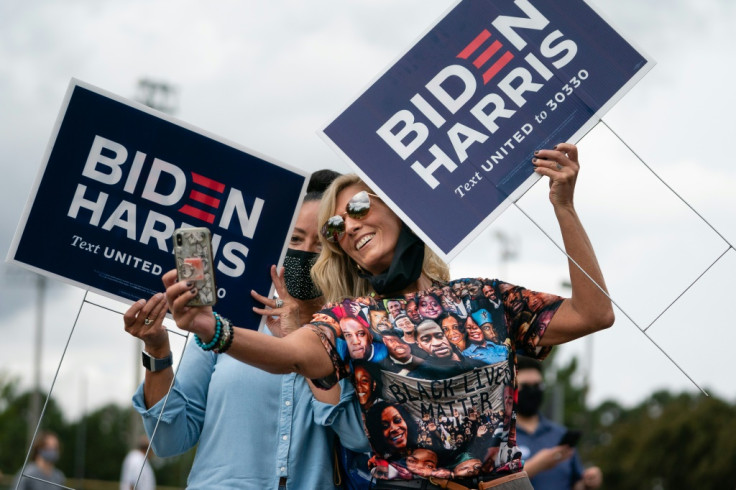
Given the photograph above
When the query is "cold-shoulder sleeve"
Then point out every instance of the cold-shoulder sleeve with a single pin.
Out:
(528, 314)
(328, 336)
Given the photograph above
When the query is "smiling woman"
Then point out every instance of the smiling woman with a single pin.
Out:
(371, 261)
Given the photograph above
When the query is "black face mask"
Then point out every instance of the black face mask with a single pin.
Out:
(405, 268)
(297, 265)
(530, 399)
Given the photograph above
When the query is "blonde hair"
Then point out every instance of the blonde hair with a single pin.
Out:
(335, 273)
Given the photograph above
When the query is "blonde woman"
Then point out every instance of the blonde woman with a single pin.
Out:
(369, 256)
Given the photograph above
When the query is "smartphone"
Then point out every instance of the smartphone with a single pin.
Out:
(193, 254)
(570, 438)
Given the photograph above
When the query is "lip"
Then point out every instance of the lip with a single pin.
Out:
(398, 438)
(363, 240)
(442, 351)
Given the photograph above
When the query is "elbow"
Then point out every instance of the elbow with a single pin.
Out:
(604, 319)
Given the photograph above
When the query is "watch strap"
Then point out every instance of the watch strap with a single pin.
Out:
(154, 364)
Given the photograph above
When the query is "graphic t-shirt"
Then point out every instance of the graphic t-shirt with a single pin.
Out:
(433, 372)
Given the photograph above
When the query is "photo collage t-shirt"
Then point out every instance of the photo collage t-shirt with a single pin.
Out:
(433, 372)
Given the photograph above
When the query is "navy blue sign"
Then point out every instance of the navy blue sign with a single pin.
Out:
(447, 133)
(119, 178)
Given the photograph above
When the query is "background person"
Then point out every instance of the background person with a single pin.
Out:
(369, 255)
(550, 466)
(44, 455)
(250, 426)
(131, 469)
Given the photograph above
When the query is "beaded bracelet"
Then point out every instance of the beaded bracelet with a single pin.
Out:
(216, 339)
(227, 338)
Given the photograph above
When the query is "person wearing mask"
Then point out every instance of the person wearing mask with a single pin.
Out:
(369, 256)
(41, 473)
(550, 466)
(250, 427)
(131, 475)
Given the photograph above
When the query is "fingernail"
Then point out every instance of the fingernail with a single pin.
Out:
(193, 291)
(554, 147)
(536, 152)
(190, 284)
(534, 160)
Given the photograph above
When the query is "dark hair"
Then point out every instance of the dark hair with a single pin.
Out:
(40, 442)
(524, 362)
(448, 314)
(393, 332)
(374, 425)
(319, 182)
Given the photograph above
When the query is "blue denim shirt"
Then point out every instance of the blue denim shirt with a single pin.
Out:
(253, 428)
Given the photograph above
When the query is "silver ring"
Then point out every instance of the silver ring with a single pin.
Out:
(147, 321)
(279, 302)
(559, 167)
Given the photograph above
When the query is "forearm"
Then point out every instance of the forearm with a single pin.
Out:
(300, 352)
(156, 384)
(589, 308)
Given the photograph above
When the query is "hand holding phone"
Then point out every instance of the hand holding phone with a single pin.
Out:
(570, 438)
(193, 253)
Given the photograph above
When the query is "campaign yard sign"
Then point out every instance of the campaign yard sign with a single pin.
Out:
(118, 178)
(447, 133)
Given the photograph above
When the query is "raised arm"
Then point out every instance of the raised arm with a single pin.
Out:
(588, 309)
(301, 352)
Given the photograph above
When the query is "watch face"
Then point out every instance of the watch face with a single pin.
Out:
(153, 364)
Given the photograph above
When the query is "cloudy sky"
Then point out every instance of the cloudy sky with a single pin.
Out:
(268, 75)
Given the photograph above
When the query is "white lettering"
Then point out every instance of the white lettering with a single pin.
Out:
(505, 24)
(395, 139)
(180, 182)
(113, 164)
(235, 203)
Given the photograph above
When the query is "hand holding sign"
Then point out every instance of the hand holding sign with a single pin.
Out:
(562, 167)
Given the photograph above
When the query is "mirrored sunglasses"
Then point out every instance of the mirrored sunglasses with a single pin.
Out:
(357, 208)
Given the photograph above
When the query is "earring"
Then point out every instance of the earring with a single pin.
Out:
(358, 268)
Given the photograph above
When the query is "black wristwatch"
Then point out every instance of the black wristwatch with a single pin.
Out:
(153, 364)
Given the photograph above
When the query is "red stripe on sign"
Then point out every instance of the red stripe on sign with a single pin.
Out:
(208, 183)
(491, 72)
(204, 199)
(486, 55)
(197, 213)
(474, 44)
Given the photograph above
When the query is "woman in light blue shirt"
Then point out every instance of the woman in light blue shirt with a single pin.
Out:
(253, 429)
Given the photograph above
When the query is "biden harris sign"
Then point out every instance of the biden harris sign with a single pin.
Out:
(447, 133)
(118, 178)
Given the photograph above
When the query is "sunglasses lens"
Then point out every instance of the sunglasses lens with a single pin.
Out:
(333, 229)
(359, 205)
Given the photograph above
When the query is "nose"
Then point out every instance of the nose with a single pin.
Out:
(351, 225)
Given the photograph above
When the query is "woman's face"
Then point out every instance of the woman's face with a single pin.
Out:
(370, 241)
(429, 307)
(305, 236)
(475, 334)
(365, 386)
(453, 333)
(394, 426)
